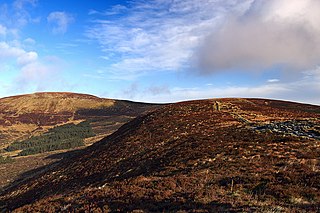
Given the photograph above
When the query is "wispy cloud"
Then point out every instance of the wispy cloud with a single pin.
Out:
(29, 41)
(135, 91)
(157, 35)
(115, 10)
(36, 76)
(20, 4)
(27, 58)
(15, 16)
(21, 16)
(60, 21)
(274, 80)
(3, 30)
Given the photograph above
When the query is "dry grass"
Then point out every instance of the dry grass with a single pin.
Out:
(52, 103)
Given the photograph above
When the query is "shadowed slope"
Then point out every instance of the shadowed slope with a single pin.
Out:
(26, 116)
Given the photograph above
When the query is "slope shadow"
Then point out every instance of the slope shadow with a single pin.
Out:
(64, 155)
(27, 176)
(143, 166)
(35, 173)
(34, 194)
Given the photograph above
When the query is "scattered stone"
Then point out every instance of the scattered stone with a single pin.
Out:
(294, 127)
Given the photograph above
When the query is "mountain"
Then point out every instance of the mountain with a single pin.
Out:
(25, 115)
(220, 155)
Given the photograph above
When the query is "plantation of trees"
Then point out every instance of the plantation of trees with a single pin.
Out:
(62, 137)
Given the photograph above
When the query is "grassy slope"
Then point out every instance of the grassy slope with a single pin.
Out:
(52, 103)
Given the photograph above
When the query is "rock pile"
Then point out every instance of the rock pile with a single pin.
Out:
(296, 128)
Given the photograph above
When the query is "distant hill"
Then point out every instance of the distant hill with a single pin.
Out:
(25, 115)
(220, 155)
(52, 102)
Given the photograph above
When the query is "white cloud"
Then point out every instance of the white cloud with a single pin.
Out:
(60, 21)
(14, 16)
(27, 58)
(116, 9)
(7, 51)
(35, 75)
(271, 33)
(212, 35)
(20, 4)
(274, 80)
(156, 35)
(21, 16)
(3, 30)
(29, 41)
(38, 76)
(30, 72)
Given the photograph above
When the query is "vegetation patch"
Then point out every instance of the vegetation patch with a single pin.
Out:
(61, 137)
(4, 160)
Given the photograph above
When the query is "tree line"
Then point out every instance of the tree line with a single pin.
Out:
(61, 137)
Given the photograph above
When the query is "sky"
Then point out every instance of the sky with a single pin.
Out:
(162, 50)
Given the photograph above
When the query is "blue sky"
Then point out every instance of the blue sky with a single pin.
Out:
(162, 50)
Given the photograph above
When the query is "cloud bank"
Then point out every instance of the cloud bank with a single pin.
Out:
(273, 33)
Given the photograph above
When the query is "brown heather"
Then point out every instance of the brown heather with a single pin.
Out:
(186, 157)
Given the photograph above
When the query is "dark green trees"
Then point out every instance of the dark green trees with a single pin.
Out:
(61, 137)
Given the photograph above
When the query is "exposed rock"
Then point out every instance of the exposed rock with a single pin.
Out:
(298, 128)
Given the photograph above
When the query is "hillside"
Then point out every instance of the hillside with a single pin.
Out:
(25, 115)
(52, 102)
(32, 119)
(208, 156)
